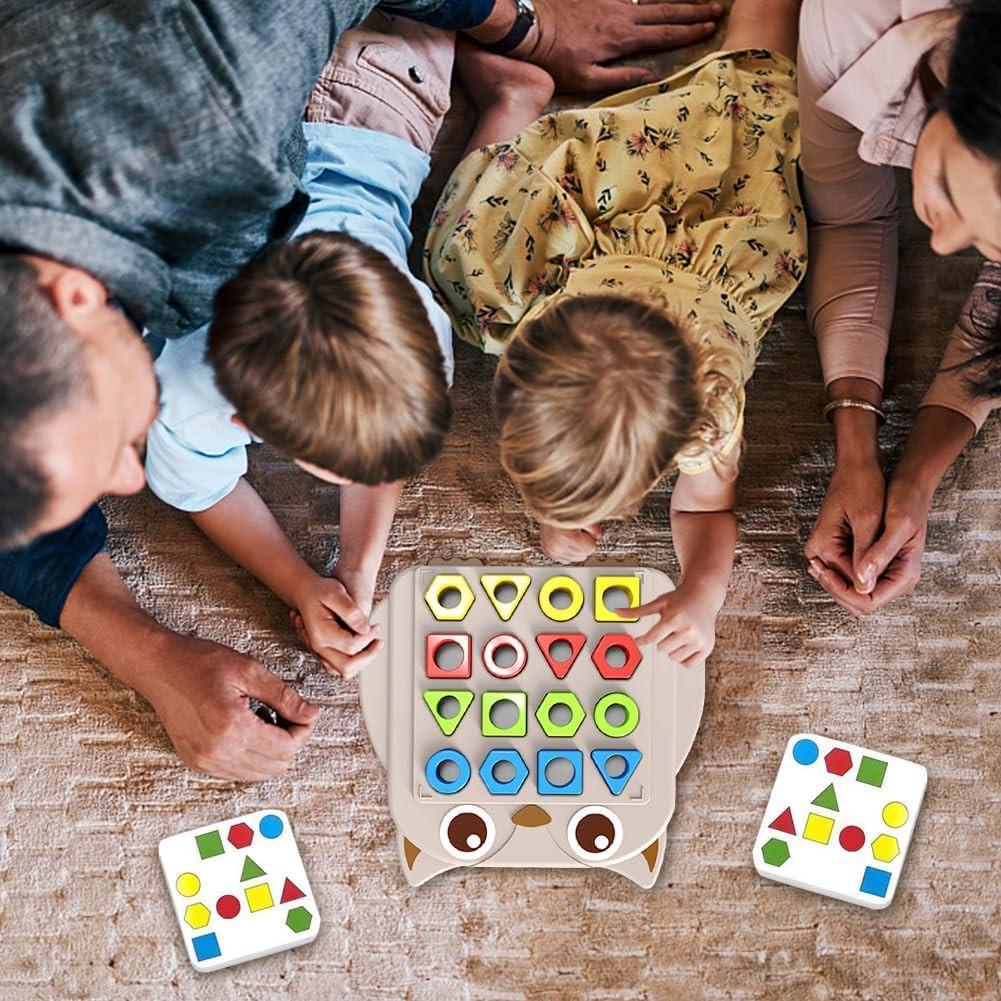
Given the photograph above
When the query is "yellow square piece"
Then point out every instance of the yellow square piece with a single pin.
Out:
(818, 828)
(259, 897)
(631, 586)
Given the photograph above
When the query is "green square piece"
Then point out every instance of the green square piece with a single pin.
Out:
(519, 724)
(209, 844)
(871, 771)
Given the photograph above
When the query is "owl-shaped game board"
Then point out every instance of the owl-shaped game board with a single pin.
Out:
(521, 725)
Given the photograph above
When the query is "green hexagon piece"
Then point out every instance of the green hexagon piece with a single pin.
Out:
(775, 852)
(299, 919)
(550, 702)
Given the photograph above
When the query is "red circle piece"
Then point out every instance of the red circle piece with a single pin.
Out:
(227, 906)
(851, 838)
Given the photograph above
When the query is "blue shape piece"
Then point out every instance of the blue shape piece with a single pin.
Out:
(616, 783)
(875, 881)
(513, 785)
(271, 826)
(206, 947)
(439, 784)
(805, 752)
(575, 787)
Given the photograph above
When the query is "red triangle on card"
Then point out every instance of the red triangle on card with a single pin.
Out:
(784, 823)
(546, 641)
(290, 892)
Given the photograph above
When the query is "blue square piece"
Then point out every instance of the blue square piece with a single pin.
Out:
(875, 881)
(206, 947)
(574, 784)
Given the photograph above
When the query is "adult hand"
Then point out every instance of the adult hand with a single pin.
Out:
(575, 39)
(570, 545)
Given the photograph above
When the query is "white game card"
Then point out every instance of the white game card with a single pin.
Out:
(239, 890)
(839, 820)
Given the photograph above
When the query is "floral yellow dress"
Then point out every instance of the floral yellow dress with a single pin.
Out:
(689, 185)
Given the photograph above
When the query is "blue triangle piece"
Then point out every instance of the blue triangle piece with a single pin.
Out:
(616, 783)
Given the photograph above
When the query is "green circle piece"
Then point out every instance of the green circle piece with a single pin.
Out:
(628, 724)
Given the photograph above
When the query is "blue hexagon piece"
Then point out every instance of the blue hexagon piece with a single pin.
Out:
(508, 787)
(547, 786)
(616, 773)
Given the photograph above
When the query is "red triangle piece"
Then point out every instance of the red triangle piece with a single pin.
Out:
(290, 892)
(784, 823)
(560, 667)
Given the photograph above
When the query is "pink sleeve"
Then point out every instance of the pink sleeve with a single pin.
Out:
(951, 388)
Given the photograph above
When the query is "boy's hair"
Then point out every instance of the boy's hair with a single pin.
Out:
(596, 398)
(327, 353)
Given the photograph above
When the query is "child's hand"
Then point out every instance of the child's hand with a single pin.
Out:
(570, 545)
(686, 625)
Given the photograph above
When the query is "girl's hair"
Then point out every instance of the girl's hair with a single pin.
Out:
(972, 100)
(597, 397)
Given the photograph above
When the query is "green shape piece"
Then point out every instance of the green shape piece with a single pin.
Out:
(871, 771)
(434, 698)
(251, 870)
(520, 726)
(209, 844)
(298, 919)
(572, 703)
(775, 852)
(632, 714)
(828, 799)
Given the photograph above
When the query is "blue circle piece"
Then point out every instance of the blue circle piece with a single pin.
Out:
(805, 752)
(439, 758)
(271, 826)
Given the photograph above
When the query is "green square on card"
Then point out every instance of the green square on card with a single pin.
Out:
(209, 845)
(871, 771)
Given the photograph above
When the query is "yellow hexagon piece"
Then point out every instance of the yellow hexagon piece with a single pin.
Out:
(885, 848)
(440, 597)
(197, 915)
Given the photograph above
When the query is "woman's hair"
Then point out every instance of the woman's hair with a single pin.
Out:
(597, 397)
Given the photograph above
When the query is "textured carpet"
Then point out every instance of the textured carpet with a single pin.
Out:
(89, 783)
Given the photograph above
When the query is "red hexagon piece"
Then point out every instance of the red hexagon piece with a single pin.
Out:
(622, 641)
(240, 836)
(838, 761)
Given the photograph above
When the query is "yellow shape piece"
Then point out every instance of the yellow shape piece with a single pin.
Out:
(259, 897)
(188, 884)
(895, 814)
(818, 828)
(885, 848)
(197, 915)
(550, 588)
(439, 588)
(631, 585)
(492, 581)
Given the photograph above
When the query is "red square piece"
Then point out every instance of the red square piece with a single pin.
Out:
(436, 642)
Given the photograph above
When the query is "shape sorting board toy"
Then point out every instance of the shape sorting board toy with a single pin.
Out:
(839, 820)
(520, 724)
(239, 890)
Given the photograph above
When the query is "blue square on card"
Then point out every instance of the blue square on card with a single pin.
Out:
(875, 881)
(206, 947)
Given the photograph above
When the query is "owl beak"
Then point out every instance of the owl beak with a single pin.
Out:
(531, 816)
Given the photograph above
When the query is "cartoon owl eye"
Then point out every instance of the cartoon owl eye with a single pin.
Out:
(467, 833)
(594, 833)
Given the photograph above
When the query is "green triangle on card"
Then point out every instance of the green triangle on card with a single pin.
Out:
(251, 870)
(448, 706)
(827, 799)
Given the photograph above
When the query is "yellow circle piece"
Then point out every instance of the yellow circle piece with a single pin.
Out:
(895, 814)
(550, 588)
(188, 884)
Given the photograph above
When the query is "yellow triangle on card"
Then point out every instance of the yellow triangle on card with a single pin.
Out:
(499, 590)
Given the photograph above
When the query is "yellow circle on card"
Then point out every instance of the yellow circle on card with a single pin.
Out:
(895, 814)
(188, 884)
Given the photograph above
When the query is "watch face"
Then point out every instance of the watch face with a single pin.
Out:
(526, 6)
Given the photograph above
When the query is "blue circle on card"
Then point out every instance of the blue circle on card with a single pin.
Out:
(271, 826)
(805, 752)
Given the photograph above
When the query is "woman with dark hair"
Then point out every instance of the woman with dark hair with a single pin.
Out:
(885, 84)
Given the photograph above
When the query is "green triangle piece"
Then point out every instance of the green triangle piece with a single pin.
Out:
(251, 870)
(434, 699)
(827, 799)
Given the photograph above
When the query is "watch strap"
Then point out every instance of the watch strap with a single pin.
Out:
(519, 30)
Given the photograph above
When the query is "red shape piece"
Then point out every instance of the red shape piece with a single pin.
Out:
(784, 822)
(838, 761)
(436, 640)
(852, 838)
(290, 892)
(227, 906)
(611, 641)
(545, 642)
(240, 836)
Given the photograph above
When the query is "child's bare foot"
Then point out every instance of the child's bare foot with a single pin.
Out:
(494, 81)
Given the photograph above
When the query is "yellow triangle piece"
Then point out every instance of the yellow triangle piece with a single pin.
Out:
(493, 581)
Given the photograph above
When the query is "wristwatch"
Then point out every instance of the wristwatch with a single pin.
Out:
(524, 19)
